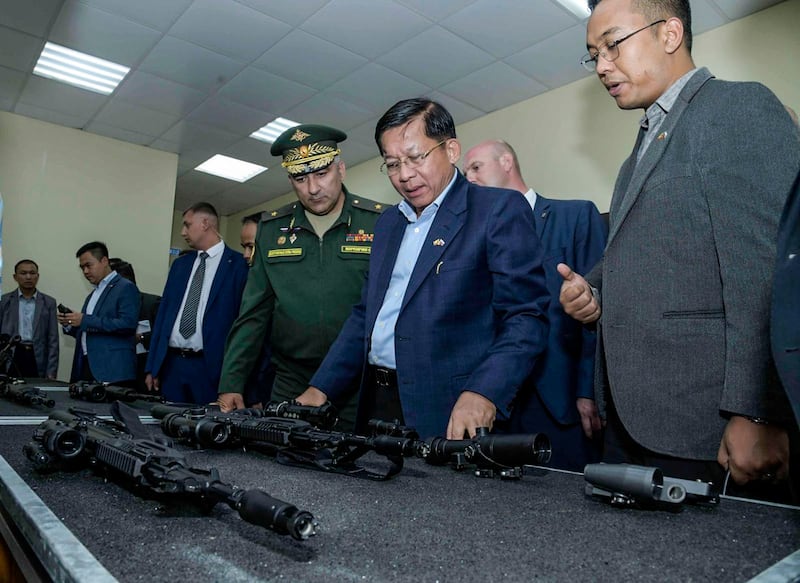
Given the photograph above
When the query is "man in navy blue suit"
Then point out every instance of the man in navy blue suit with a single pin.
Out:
(104, 330)
(558, 398)
(200, 302)
(453, 312)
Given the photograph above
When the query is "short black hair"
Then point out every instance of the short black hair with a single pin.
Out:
(439, 123)
(203, 207)
(122, 267)
(21, 261)
(97, 248)
(254, 218)
(657, 9)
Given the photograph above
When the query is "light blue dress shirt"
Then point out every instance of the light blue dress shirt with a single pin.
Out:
(382, 351)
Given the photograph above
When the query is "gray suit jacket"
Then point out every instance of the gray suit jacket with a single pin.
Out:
(685, 278)
(45, 329)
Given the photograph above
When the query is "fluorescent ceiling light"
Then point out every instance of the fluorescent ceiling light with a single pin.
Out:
(270, 132)
(579, 8)
(230, 168)
(79, 69)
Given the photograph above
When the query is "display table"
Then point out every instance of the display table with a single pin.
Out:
(427, 524)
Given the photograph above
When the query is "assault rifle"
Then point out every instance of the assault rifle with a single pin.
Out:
(293, 441)
(491, 454)
(79, 438)
(19, 391)
(105, 392)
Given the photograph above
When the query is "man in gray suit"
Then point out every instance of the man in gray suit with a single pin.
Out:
(684, 370)
(29, 313)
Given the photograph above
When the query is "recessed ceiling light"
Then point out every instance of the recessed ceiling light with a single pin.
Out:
(270, 132)
(79, 69)
(579, 8)
(230, 168)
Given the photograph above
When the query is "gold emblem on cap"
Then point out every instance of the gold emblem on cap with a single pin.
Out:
(308, 158)
(274, 214)
(299, 136)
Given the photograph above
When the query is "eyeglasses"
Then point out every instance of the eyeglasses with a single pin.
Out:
(392, 167)
(610, 52)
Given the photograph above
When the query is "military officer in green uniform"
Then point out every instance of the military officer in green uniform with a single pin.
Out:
(310, 262)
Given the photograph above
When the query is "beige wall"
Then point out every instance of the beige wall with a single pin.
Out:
(62, 188)
(572, 140)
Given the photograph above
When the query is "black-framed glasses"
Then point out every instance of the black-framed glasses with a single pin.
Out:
(610, 51)
(392, 167)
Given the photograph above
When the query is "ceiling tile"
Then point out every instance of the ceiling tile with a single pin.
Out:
(480, 88)
(290, 11)
(31, 16)
(189, 64)
(168, 146)
(342, 23)
(18, 50)
(101, 34)
(60, 97)
(197, 135)
(435, 57)
(266, 91)
(734, 9)
(705, 16)
(11, 82)
(229, 28)
(63, 119)
(554, 61)
(330, 109)
(200, 186)
(364, 133)
(461, 112)
(134, 118)
(230, 116)
(376, 88)
(118, 133)
(436, 10)
(156, 14)
(309, 60)
(251, 150)
(514, 25)
(150, 91)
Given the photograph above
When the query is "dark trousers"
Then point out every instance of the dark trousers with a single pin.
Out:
(381, 398)
(24, 363)
(572, 450)
(88, 375)
(183, 379)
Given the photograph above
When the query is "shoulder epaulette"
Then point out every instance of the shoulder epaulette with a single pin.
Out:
(369, 205)
(285, 210)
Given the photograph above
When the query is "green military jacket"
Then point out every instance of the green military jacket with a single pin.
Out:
(299, 292)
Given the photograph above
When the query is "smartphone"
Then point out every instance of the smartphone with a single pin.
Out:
(63, 309)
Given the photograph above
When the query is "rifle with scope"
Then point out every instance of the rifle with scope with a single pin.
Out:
(21, 392)
(293, 441)
(491, 454)
(105, 393)
(152, 469)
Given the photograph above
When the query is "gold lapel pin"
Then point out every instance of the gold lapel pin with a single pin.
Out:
(438, 243)
(662, 136)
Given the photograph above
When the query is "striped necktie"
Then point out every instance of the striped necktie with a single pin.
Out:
(189, 317)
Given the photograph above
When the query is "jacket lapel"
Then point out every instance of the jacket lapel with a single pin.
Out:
(220, 276)
(541, 212)
(37, 311)
(641, 171)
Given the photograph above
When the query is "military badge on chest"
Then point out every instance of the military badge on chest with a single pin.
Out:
(360, 237)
